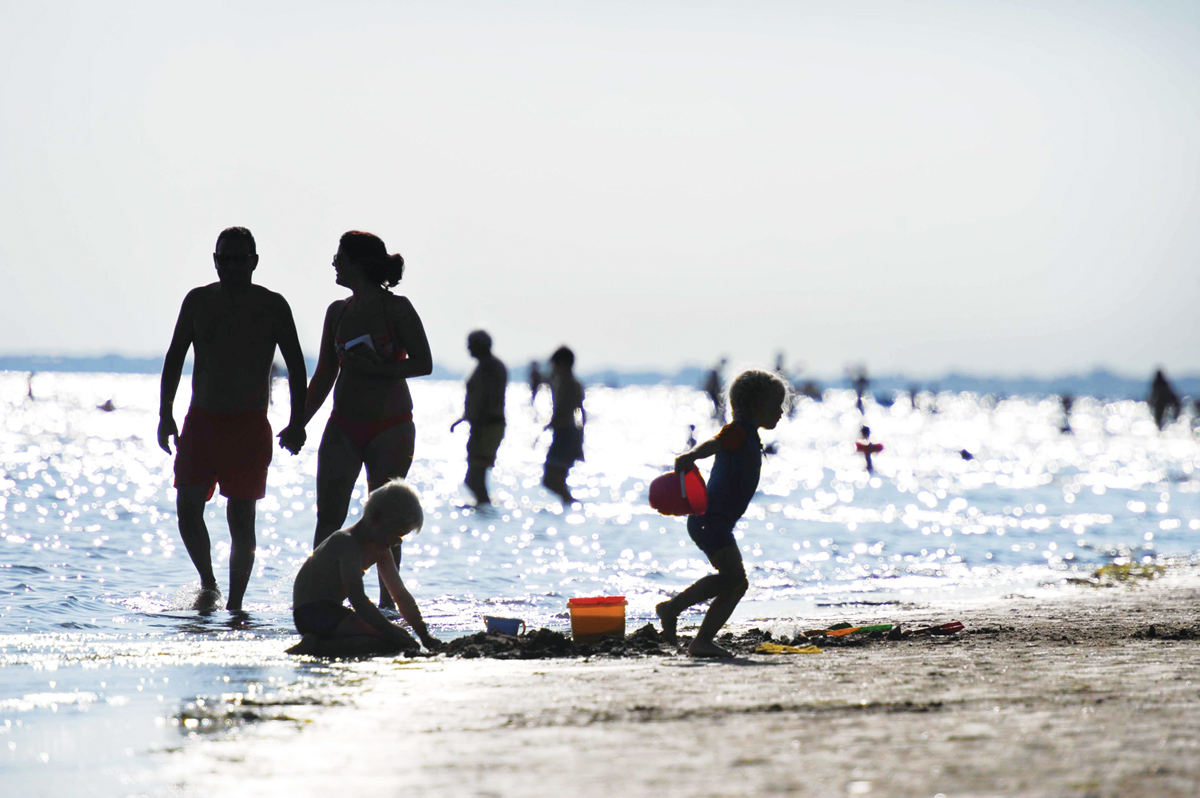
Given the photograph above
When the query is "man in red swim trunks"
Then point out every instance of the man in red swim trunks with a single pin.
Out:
(234, 327)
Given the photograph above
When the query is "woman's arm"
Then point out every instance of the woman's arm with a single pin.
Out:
(411, 332)
(327, 366)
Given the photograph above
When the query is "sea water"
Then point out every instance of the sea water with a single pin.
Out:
(102, 661)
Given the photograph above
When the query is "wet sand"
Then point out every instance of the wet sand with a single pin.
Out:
(1069, 695)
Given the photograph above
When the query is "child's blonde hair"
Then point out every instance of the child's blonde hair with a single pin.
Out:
(752, 388)
(393, 505)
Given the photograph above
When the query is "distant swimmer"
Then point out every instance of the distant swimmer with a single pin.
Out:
(1068, 402)
(567, 424)
(233, 328)
(29, 386)
(107, 407)
(535, 380)
(1164, 402)
(484, 410)
(868, 449)
(371, 343)
(691, 441)
(860, 383)
(334, 572)
(964, 454)
(714, 386)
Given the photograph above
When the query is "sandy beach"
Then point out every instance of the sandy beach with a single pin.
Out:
(1067, 695)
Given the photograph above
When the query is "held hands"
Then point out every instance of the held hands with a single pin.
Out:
(292, 438)
(167, 428)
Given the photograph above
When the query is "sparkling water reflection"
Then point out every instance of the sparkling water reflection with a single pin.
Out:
(91, 564)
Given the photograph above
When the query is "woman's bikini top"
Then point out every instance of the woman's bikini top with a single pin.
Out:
(386, 346)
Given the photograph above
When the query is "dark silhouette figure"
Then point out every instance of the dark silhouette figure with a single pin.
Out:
(484, 410)
(964, 454)
(107, 407)
(714, 386)
(535, 381)
(29, 387)
(1164, 402)
(233, 326)
(867, 449)
(757, 398)
(860, 383)
(371, 343)
(811, 389)
(567, 423)
(691, 441)
(1067, 402)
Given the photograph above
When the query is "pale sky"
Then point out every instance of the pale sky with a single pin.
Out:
(994, 187)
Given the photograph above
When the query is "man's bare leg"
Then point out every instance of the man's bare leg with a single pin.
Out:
(476, 480)
(555, 479)
(240, 514)
(189, 505)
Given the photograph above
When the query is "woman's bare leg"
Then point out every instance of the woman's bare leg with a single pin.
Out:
(338, 463)
(390, 455)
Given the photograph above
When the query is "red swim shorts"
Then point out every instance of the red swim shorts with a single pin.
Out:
(233, 449)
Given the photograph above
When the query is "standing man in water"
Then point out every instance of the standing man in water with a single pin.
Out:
(484, 411)
(234, 327)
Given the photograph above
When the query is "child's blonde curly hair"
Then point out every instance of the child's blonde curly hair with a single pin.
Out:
(394, 505)
(754, 387)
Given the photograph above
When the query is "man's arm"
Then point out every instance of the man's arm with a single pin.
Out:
(349, 566)
(181, 341)
(404, 600)
(292, 437)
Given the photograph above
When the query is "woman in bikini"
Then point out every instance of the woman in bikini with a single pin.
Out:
(371, 343)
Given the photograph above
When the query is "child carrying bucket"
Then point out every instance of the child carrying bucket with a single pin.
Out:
(757, 399)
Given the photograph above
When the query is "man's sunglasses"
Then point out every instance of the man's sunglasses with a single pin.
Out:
(231, 259)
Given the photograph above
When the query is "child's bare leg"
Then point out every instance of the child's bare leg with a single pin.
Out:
(352, 626)
(731, 574)
(705, 588)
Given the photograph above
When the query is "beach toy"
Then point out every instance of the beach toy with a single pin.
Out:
(868, 448)
(679, 494)
(503, 626)
(954, 627)
(597, 617)
(780, 648)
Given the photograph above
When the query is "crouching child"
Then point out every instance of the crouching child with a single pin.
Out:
(334, 573)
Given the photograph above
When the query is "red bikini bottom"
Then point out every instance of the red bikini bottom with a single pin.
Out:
(363, 432)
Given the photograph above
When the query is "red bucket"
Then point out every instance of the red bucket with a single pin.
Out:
(673, 494)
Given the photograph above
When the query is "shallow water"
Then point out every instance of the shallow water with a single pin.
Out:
(94, 581)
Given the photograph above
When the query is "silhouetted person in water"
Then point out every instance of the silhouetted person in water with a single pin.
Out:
(691, 441)
(29, 386)
(1164, 402)
(1067, 402)
(860, 384)
(867, 449)
(714, 386)
(484, 411)
(371, 343)
(535, 380)
(567, 423)
(233, 327)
